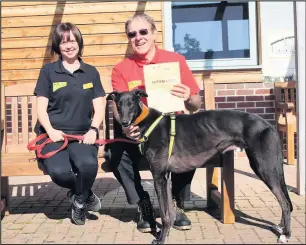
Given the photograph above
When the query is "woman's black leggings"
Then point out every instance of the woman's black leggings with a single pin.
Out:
(74, 168)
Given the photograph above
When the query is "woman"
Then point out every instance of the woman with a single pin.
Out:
(68, 91)
(128, 75)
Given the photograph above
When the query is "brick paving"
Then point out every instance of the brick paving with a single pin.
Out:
(40, 211)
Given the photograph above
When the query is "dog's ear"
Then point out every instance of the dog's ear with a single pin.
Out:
(140, 93)
(112, 95)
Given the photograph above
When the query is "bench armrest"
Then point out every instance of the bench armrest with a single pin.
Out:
(283, 105)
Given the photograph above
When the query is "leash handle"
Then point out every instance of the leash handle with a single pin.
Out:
(38, 148)
(32, 146)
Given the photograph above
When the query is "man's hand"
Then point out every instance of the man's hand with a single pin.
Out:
(55, 135)
(132, 132)
(192, 102)
(181, 91)
(90, 137)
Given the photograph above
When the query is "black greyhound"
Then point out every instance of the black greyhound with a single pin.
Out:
(198, 138)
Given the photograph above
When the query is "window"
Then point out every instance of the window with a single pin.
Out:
(212, 35)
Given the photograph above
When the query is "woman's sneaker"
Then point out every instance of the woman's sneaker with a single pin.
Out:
(77, 212)
(70, 193)
(93, 203)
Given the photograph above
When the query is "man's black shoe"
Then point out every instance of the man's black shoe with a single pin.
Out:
(146, 220)
(181, 221)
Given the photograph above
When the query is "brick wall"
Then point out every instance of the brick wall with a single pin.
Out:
(256, 98)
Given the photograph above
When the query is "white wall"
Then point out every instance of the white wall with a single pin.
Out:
(300, 61)
(277, 22)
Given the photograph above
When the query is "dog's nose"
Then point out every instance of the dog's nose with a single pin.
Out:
(125, 123)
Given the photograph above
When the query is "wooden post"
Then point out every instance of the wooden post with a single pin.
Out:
(3, 119)
(290, 144)
(4, 194)
(228, 189)
(211, 186)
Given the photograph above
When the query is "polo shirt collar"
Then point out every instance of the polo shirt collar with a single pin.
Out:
(142, 62)
(59, 67)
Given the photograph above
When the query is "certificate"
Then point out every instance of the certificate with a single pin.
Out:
(159, 80)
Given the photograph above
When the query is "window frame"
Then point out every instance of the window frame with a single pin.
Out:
(216, 64)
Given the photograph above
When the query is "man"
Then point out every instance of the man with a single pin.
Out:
(125, 158)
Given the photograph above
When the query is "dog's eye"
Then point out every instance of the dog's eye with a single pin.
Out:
(131, 104)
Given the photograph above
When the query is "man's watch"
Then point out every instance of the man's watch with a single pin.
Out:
(94, 128)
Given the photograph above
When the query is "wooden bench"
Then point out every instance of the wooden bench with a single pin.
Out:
(19, 119)
(285, 115)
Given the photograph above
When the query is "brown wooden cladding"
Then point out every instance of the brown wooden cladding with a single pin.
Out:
(43, 31)
(96, 39)
(6, 3)
(60, 8)
(92, 50)
(27, 28)
(33, 73)
(78, 19)
(36, 63)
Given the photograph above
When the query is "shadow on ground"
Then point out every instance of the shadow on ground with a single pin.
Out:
(48, 198)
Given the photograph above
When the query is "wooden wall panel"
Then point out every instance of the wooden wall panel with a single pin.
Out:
(44, 31)
(6, 3)
(27, 28)
(97, 39)
(91, 50)
(37, 63)
(78, 8)
(78, 19)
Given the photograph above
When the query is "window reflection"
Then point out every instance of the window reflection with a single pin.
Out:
(211, 30)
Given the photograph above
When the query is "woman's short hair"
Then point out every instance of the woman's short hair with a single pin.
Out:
(62, 31)
(144, 16)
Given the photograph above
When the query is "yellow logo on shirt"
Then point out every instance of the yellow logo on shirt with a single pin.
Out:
(58, 85)
(87, 85)
(134, 84)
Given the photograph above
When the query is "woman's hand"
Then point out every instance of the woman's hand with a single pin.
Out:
(132, 132)
(181, 91)
(90, 137)
(55, 135)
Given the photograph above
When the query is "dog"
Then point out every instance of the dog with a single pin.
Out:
(199, 137)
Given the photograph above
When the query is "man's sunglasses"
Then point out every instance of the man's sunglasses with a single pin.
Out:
(133, 34)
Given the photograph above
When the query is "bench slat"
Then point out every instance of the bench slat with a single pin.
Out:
(24, 118)
(33, 115)
(14, 117)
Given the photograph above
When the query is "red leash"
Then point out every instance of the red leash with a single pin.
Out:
(33, 147)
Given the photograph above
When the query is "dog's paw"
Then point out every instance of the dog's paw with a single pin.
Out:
(156, 241)
(283, 239)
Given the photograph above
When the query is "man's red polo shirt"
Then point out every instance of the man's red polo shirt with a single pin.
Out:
(128, 74)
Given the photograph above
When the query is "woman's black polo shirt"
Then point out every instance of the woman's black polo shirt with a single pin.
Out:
(70, 95)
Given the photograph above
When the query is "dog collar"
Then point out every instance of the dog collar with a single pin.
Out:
(144, 113)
